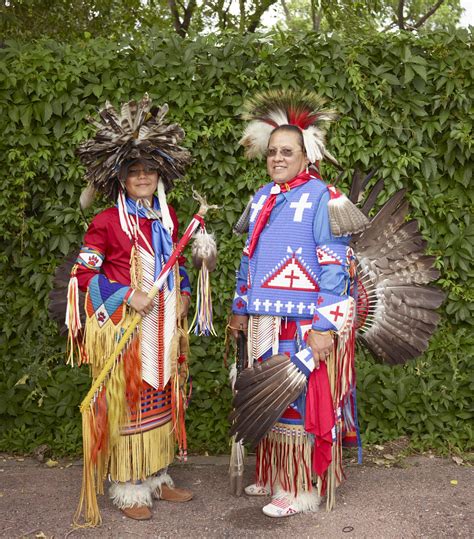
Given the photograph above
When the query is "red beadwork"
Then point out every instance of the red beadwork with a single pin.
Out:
(362, 305)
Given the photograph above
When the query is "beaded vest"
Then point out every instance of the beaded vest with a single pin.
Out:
(284, 270)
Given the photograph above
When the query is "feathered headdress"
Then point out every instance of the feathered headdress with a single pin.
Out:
(138, 131)
(305, 110)
(275, 108)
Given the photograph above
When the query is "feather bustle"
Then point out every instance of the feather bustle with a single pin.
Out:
(243, 223)
(87, 197)
(397, 306)
(345, 218)
(58, 295)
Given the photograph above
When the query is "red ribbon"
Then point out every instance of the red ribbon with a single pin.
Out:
(268, 206)
(320, 418)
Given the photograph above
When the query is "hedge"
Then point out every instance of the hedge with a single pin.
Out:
(404, 104)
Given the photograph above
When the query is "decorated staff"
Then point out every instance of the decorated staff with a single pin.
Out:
(300, 297)
(137, 297)
(237, 453)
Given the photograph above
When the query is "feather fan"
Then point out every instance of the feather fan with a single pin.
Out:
(264, 391)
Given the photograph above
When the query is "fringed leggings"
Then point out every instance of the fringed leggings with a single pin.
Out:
(284, 455)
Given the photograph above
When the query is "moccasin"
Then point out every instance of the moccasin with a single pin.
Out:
(256, 490)
(137, 512)
(172, 494)
(279, 507)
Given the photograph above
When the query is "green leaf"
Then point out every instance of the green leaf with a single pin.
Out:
(58, 129)
(25, 115)
(409, 74)
(392, 79)
(97, 90)
(47, 112)
(420, 70)
(64, 245)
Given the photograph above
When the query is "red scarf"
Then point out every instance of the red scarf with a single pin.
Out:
(320, 418)
(269, 204)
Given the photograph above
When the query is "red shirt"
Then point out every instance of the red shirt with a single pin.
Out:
(106, 236)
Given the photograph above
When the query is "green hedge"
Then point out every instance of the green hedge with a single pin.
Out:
(404, 104)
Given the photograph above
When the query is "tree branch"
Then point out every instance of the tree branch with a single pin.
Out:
(219, 8)
(401, 22)
(428, 14)
(286, 11)
(175, 15)
(182, 27)
(254, 20)
(242, 16)
(316, 16)
(389, 26)
(188, 13)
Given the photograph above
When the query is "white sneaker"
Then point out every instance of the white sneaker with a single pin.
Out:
(256, 490)
(281, 507)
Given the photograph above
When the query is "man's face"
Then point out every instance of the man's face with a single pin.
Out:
(285, 157)
(141, 181)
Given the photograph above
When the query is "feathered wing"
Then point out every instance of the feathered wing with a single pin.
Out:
(396, 307)
(243, 223)
(263, 392)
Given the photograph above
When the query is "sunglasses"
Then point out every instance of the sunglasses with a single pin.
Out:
(284, 152)
(137, 171)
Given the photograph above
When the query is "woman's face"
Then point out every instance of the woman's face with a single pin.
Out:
(285, 157)
(141, 181)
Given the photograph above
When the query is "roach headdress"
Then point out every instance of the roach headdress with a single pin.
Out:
(304, 110)
(275, 108)
(137, 131)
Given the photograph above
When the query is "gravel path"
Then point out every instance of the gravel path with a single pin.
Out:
(410, 497)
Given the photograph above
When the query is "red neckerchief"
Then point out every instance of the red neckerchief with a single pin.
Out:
(268, 206)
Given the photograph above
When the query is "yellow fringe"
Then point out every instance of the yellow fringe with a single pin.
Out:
(100, 342)
(137, 456)
(136, 269)
(88, 507)
(336, 462)
(116, 403)
(174, 354)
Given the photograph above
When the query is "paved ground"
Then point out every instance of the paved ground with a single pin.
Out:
(394, 498)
